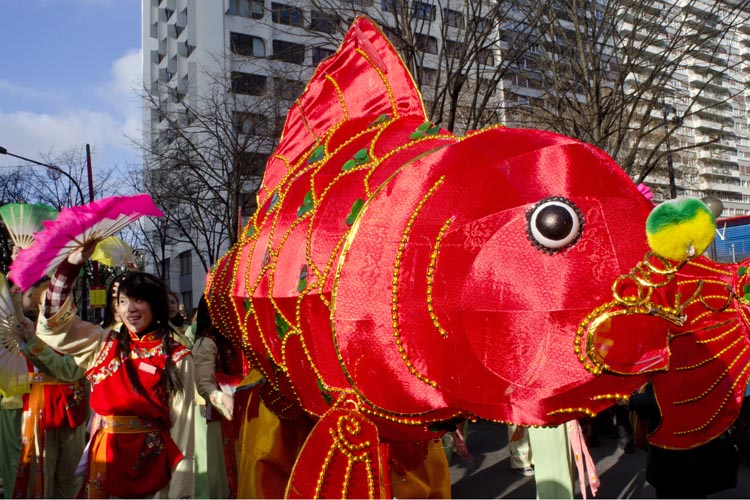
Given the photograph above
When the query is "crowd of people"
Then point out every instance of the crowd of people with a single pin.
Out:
(142, 404)
(114, 409)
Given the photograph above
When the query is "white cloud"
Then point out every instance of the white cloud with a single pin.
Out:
(35, 135)
(109, 129)
(123, 92)
(125, 84)
(22, 92)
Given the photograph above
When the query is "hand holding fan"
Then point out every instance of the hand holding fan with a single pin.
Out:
(114, 252)
(23, 220)
(75, 228)
(14, 375)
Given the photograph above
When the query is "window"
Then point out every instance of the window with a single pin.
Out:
(246, 8)
(485, 56)
(187, 300)
(319, 54)
(286, 14)
(425, 43)
(251, 123)
(165, 268)
(289, 52)
(487, 86)
(481, 25)
(248, 204)
(186, 263)
(429, 76)
(247, 45)
(422, 10)
(251, 164)
(453, 48)
(322, 22)
(287, 89)
(279, 123)
(453, 18)
(390, 5)
(247, 83)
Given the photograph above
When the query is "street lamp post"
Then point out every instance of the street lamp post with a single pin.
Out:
(668, 108)
(55, 168)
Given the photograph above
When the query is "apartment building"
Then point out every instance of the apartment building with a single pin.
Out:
(707, 105)
(268, 49)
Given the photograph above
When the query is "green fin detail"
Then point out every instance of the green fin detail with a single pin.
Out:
(307, 204)
(361, 156)
(317, 154)
(282, 327)
(356, 207)
(326, 395)
(274, 201)
(381, 119)
(302, 279)
(427, 128)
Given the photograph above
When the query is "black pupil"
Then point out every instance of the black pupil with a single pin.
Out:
(554, 222)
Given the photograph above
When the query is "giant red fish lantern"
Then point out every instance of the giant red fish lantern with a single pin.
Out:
(396, 275)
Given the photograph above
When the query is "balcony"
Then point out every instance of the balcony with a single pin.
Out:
(720, 157)
(706, 185)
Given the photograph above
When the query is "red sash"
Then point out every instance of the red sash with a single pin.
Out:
(130, 457)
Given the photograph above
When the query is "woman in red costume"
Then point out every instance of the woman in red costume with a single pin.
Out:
(142, 386)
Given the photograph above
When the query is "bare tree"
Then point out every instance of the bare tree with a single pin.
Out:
(67, 183)
(459, 52)
(207, 160)
(626, 75)
(62, 183)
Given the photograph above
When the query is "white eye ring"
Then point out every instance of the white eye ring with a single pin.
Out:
(554, 224)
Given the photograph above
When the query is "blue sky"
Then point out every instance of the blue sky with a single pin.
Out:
(69, 73)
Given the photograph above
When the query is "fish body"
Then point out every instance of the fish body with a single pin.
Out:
(418, 275)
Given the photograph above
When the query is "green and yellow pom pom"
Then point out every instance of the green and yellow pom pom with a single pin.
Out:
(680, 229)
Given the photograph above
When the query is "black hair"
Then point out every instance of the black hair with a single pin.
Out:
(109, 311)
(203, 323)
(149, 288)
(178, 319)
(227, 352)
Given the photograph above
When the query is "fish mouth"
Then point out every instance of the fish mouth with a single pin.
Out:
(630, 334)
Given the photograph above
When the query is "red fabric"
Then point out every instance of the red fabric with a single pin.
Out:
(65, 405)
(375, 230)
(138, 463)
(700, 396)
(340, 459)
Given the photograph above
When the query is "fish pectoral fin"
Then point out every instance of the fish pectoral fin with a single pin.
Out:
(341, 458)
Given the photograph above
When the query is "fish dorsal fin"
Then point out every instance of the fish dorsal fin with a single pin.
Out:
(364, 79)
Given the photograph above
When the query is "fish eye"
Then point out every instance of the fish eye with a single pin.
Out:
(554, 224)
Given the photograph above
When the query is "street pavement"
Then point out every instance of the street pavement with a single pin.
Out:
(622, 475)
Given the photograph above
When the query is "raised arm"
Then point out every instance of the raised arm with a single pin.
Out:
(58, 324)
